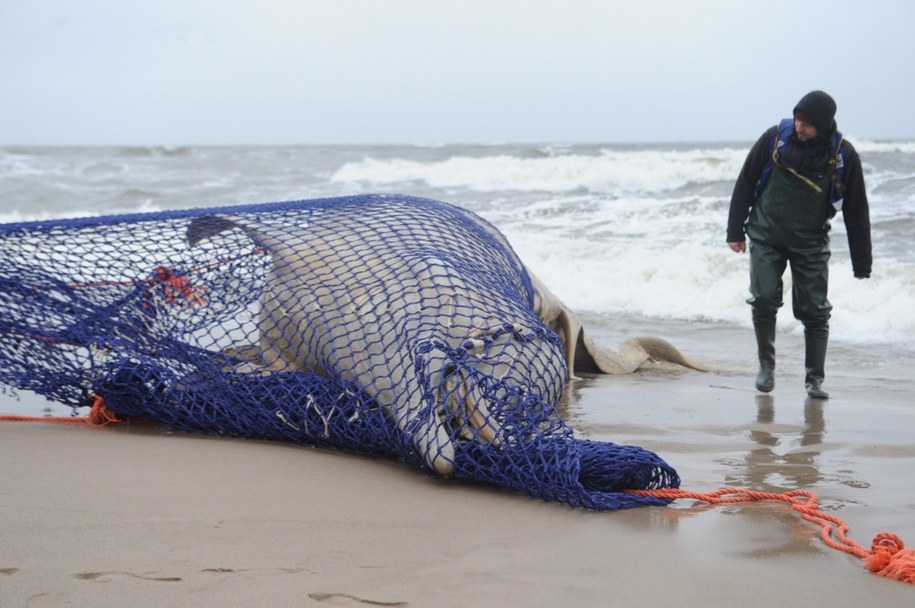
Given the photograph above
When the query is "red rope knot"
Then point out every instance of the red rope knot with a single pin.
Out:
(889, 557)
(175, 287)
(100, 415)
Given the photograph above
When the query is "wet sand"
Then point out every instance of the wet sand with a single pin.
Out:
(132, 515)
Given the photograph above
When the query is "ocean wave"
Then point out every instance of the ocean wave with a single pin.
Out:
(697, 282)
(897, 147)
(611, 171)
(637, 229)
(17, 215)
(156, 151)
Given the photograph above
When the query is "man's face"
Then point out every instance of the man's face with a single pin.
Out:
(805, 131)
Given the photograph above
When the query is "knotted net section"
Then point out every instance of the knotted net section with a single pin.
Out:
(384, 324)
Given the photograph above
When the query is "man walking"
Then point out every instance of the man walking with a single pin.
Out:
(796, 177)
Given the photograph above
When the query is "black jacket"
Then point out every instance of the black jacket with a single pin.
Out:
(855, 208)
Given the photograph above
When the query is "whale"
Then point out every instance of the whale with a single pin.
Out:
(425, 329)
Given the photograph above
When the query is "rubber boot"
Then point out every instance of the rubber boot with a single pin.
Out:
(765, 344)
(814, 362)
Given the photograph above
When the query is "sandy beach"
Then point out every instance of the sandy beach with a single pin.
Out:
(135, 515)
(339, 222)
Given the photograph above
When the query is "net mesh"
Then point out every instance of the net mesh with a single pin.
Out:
(384, 324)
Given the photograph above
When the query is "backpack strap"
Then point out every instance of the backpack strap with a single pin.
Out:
(807, 181)
(837, 172)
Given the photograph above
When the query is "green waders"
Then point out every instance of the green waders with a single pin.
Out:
(789, 225)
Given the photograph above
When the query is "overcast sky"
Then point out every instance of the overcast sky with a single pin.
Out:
(432, 71)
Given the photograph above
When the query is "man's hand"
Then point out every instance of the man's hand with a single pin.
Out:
(738, 247)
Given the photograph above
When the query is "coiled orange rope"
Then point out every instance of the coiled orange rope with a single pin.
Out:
(887, 557)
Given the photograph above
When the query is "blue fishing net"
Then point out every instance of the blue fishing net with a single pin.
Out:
(384, 324)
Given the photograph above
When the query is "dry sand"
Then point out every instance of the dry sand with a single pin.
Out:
(134, 516)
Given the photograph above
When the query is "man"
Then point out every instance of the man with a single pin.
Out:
(795, 178)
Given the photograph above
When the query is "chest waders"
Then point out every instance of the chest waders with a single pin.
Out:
(789, 225)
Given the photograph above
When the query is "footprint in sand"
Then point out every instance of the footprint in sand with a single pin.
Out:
(345, 599)
(99, 576)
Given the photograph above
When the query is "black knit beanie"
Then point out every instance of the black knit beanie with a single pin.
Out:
(819, 109)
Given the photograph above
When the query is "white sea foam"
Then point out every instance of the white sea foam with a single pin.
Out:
(864, 146)
(611, 171)
(690, 281)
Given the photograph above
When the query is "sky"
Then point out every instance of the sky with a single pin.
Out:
(197, 72)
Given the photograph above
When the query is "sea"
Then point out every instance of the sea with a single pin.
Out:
(632, 236)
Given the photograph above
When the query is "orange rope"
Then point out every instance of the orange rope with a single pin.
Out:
(158, 278)
(54, 419)
(887, 557)
(99, 415)
(176, 288)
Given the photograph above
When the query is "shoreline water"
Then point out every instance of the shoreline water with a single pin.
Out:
(729, 349)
